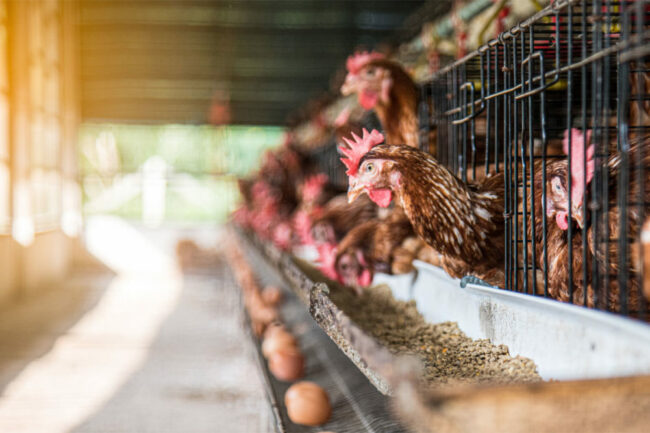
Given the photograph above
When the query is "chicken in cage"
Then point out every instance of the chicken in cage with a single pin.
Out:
(559, 105)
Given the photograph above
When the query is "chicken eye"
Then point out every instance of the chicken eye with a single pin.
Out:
(370, 168)
(557, 186)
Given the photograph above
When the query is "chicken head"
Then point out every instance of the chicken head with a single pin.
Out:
(367, 176)
(371, 83)
(582, 171)
(322, 232)
(353, 269)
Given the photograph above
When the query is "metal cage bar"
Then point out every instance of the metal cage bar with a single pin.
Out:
(512, 104)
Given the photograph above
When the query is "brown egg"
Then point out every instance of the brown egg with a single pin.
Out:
(271, 295)
(278, 340)
(265, 315)
(258, 310)
(246, 278)
(287, 364)
(307, 404)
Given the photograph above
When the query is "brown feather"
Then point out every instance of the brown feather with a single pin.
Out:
(462, 222)
(398, 116)
(378, 239)
(558, 243)
(343, 216)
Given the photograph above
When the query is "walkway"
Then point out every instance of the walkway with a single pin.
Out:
(142, 348)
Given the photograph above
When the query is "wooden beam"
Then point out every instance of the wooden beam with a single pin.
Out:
(620, 405)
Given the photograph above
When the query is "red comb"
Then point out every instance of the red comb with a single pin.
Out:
(580, 174)
(359, 147)
(359, 59)
(261, 190)
(327, 261)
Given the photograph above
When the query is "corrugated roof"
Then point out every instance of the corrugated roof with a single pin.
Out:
(247, 62)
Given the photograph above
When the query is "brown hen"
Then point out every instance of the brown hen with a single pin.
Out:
(385, 87)
(557, 257)
(371, 247)
(463, 222)
(557, 231)
(338, 217)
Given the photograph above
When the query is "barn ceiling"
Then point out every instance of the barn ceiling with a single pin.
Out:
(242, 62)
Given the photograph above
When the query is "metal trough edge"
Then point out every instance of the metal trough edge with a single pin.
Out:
(565, 341)
(370, 357)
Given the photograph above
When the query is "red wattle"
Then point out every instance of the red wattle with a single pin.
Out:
(368, 99)
(365, 278)
(382, 197)
(562, 220)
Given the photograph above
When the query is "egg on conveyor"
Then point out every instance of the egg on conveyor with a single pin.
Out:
(287, 364)
(277, 339)
(272, 295)
(307, 404)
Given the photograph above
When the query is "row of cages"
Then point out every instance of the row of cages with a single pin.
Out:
(560, 104)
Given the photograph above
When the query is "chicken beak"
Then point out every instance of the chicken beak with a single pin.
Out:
(350, 85)
(354, 191)
(577, 215)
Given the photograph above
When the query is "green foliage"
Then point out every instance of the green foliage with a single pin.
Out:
(192, 149)
(202, 165)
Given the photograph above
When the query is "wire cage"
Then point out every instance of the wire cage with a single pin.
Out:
(327, 157)
(559, 104)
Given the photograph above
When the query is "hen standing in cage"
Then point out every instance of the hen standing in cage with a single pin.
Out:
(603, 214)
(510, 110)
(557, 206)
(372, 247)
(463, 222)
(384, 85)
(338, 217)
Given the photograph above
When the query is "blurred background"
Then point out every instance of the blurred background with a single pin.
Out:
(148, 109)
(123, 127)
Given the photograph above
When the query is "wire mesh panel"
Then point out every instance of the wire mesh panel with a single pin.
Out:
(560, 105)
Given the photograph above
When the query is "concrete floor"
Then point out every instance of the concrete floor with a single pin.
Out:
(140, 348)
